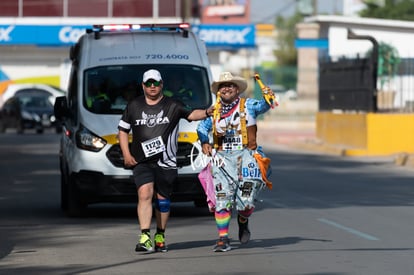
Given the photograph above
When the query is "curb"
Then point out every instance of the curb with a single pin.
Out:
(404, 159)
(319, 147)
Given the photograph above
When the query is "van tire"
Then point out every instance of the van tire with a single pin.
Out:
(200, 203)
(63, 193)
(75, 206)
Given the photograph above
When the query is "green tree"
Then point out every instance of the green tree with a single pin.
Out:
(388, 61)
(392, 9)
(286, 53)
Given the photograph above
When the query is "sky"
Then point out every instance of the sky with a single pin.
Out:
(265, 11)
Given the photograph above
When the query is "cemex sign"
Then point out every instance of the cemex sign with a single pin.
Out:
(215, 36)
(227, 36)
(49, 35)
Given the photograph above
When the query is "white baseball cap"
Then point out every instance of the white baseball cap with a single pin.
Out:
(151, 74)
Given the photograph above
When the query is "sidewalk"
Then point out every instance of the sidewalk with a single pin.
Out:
(290, 123)
(286, 131)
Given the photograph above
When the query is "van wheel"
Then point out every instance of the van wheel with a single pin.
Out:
(75, 206)
(58, 129)
(200, 203)
(63, 193)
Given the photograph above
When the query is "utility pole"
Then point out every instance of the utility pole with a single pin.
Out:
(186, 10)
(315, 7)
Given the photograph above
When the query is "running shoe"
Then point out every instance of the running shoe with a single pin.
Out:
(159, 241)
(244, 232)
(145, 244)
(222, 245)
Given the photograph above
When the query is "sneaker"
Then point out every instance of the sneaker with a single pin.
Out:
(223, 245)
(145, 244)
(244, 232)
(159, 241)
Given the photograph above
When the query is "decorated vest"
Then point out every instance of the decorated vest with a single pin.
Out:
(236, 130)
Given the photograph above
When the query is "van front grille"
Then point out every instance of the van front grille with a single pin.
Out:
(114, 155)
(185, 154)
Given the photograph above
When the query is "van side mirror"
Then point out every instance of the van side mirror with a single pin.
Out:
(61, 109)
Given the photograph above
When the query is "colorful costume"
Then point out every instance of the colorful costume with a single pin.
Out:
(236, 174)
(239, 169)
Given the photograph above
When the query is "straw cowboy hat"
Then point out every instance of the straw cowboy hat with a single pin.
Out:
(227, 77)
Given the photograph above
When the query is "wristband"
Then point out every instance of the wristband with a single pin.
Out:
(207, 113)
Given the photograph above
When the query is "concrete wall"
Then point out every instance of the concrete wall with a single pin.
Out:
(307, 83)
(367, 134)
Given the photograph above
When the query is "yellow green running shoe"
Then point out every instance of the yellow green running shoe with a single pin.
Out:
(145, 244)
(159, 241)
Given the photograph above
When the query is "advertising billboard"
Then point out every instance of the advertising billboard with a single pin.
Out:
(225, 11)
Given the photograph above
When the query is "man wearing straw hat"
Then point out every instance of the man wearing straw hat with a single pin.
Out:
(238, 167)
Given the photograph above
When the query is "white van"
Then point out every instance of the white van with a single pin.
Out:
(107, 67)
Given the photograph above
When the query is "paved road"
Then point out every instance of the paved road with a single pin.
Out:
(325, 215)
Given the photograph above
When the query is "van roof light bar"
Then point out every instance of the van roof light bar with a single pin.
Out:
(174, 27)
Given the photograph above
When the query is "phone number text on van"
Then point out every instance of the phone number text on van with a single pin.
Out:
(167, 56)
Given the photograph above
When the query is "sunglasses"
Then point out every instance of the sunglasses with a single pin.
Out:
(227, 85)
(149, 83)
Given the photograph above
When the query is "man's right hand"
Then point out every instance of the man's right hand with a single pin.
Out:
(207, 149)
(130, 161)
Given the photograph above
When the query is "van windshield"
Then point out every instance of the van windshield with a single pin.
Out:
(109, 88)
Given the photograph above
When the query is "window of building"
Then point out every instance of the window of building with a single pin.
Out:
(43, 8)
(9, 8)
(90, 8)
(93, 8)
(137, 8)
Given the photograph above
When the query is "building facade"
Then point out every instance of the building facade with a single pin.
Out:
(35, 35)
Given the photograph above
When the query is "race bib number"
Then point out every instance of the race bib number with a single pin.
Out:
(153, 146)
(232, 143)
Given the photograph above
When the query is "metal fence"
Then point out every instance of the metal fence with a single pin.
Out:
(353, 84)
(347, 84)
(402, 84)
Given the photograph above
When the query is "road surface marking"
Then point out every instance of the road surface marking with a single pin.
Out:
(348, 229)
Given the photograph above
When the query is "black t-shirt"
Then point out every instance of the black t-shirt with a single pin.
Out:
(154, 129)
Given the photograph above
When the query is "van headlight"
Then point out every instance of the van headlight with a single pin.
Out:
(86, 140)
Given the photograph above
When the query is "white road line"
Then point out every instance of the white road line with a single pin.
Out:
(348, 229)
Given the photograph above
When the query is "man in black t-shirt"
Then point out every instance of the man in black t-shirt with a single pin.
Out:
(153, 119)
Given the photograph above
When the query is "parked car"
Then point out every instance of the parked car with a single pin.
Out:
(40, 89)
(28, 111)
(283, 93)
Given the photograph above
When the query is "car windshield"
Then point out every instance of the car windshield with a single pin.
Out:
(108, 89)
(33, 101)
(39, 91)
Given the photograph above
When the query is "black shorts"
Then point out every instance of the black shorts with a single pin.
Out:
(163, 179)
